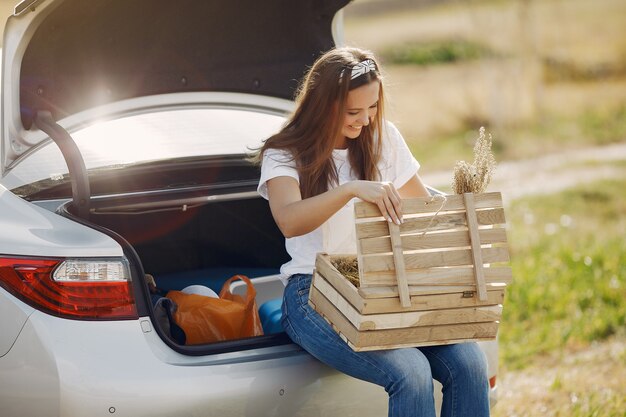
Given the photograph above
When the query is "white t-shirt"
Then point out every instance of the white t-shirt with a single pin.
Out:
(337, 235)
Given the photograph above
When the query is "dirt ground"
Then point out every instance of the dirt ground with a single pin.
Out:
(587, 381)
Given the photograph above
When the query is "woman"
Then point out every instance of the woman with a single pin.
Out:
(337, 147)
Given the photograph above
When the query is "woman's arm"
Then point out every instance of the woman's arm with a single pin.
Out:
(295, 216)
(413, 188)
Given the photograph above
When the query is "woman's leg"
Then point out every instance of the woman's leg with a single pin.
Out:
(404, 373)
(462, 370)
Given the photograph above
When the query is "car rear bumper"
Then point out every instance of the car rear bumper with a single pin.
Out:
(60, 367)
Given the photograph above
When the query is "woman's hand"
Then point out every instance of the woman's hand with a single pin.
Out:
(295, 216)
(383, 194)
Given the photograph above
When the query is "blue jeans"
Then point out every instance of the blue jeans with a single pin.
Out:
(406, 374)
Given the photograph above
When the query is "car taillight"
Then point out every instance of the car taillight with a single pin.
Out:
(91, 289)
(492, 381)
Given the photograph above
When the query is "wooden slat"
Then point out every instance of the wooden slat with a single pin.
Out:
(477, 258)
(375, 263)
(441, 276)
(412, 336)
(378, 228)
(330, 323)
(409, 318)
(375, 301)
(443, 221)
(391, 292)
(324, 268)
(430, 302)
(421, 344)
(490, 216)
(432, 240)
(418, 205)
(428, 318)
(398, 260)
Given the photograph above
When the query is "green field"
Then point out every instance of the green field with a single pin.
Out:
(564, 322)
(568, 256)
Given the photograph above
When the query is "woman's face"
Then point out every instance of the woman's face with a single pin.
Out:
(361, 107)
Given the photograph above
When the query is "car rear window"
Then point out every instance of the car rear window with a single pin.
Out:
(155, 136)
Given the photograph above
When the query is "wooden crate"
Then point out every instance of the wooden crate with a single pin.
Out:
(426, 282)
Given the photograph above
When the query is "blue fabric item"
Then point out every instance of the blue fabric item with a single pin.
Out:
(406, 374)
(270, 314)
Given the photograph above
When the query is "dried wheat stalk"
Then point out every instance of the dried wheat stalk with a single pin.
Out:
(474, 178)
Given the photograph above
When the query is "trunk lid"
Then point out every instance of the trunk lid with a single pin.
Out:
(68, 56)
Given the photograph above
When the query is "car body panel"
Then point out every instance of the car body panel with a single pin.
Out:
(92, 368)
(13, 316)
(35, 231)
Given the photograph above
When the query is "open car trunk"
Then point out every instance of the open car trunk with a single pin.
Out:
(70, 63)
(196, 239)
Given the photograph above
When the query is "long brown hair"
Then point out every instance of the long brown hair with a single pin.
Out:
(311, 131)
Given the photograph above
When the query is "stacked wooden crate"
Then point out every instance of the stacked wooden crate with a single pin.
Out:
(428, 281)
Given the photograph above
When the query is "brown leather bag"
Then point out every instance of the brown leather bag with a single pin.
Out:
(207, 319)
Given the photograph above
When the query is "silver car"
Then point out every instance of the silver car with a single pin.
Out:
(125, 125)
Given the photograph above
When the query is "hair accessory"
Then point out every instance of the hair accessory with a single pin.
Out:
(361, 68)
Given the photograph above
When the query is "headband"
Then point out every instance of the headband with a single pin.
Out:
(361, 68)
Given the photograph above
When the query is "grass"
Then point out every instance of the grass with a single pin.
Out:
(605, 125)
(435, 52)
(555, 70)
(443, 151)
(596, 405)
(593, 127)
(569, 265)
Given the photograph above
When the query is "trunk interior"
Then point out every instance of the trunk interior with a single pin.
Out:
(205, 244)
